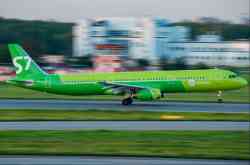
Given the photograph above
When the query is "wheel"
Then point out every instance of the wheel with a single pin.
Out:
(130, 101)
(162, 95)
(127, 101)
(220, 101)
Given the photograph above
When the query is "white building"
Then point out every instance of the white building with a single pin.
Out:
(222, 53)
(81, 40)
(153, 38)
(136, 38)
(232, 53)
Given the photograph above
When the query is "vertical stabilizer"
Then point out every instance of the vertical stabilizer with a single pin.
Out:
(25, 67)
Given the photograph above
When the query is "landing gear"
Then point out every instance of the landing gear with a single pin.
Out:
(162, 95)
(219, 100)
(127, 101)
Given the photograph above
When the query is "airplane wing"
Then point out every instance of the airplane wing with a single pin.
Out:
(119, 88)
(140, 92)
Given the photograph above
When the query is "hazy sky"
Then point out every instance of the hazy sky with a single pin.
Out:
(73, 10)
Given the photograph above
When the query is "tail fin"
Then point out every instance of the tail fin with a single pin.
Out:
(26, 68)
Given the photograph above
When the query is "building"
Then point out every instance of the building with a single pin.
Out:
(81, 39)
(135, 38)
(212, 52)
(152, 39)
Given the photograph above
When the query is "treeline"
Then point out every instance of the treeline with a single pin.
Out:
(38, 37)
(226, 30)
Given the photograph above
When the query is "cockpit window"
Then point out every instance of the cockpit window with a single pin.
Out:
(232, 76)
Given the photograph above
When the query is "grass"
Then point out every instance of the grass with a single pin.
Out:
(12, 92)
(185, 144)
(94, 115)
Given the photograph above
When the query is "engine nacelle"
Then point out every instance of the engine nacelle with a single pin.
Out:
(148, 94)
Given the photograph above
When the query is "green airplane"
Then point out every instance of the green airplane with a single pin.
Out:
(143, 85)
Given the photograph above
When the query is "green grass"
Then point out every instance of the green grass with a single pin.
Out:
(185, 144)
(11, 92)
(94, 115)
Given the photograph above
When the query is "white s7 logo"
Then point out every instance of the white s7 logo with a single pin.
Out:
(20, 67)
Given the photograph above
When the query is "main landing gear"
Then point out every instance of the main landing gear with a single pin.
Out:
(127, 101)
(219, 96)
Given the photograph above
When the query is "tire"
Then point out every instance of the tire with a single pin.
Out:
(220, 101)
(127, 101)
(130, 101)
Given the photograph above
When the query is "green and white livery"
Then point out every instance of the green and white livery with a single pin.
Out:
(145, 85)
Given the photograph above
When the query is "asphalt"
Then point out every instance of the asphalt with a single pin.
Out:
(116, 105)
(125, 125)
(83, 160)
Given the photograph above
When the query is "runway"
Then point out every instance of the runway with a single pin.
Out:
(120, 125)
(116, 105)
(83, 160)
(125, 125)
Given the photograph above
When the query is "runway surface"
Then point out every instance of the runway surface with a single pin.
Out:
(128, 125)
(125, 125)
(116, 105)
(81, 160)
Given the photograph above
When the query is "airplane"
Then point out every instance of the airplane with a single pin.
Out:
(143, 85)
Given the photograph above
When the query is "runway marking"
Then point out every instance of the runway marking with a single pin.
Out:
(171, 117)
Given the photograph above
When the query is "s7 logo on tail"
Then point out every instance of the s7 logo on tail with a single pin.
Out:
(20, 66)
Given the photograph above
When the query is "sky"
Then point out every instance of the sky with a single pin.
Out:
(75, 10)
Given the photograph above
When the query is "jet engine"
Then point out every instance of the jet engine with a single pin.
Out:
(148, 94)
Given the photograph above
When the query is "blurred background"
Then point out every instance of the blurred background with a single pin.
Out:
(84, 42)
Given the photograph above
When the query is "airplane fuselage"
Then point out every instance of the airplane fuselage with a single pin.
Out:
(166, 81)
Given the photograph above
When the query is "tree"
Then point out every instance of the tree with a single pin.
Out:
(201, 66)
(4, 55)
(142, 63)
(164, 63)
(39, 37)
